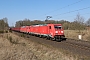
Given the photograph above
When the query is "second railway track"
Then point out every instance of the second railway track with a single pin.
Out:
(79, 44)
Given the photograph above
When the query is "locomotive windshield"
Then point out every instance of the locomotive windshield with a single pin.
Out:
(58, 27)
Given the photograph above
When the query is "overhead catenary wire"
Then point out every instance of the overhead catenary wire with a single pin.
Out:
(65, 6)
(72, 11)
(62, 7)
(74, 15)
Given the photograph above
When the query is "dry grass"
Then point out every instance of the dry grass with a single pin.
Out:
(29, 50)
(74, 34)
(11, 51)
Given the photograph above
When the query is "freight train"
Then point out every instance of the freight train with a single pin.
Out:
(49, 31)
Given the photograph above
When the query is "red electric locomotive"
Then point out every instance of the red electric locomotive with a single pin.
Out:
(55, 32)
(51, 31)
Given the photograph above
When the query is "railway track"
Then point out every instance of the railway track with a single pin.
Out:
(81, 48)
(77, 48)
(79, 44)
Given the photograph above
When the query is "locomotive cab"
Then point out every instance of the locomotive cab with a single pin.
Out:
(56, 32)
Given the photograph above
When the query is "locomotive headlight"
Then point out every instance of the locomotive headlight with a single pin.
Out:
(61, 31)
(56, 32)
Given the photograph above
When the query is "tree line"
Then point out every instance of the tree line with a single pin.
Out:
(4, 24)
(77, 24)
(66, 24)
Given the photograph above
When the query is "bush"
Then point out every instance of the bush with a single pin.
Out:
(88, 37)
(10, 39)
(1, 31)
(13, 41)
(22, 35)
(10, 31)
(6, 31)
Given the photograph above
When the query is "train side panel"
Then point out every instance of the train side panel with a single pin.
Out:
(43, 30)
(28, 29)
(23, 29)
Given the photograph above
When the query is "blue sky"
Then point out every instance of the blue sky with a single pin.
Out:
(16, 10)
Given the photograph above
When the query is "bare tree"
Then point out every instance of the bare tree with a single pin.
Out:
(79, 19)
(4, 24)
(88, 22)
(80, 22)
